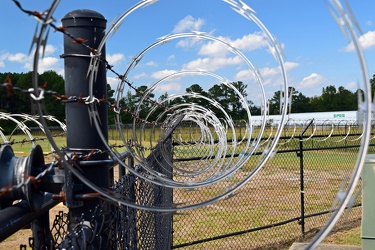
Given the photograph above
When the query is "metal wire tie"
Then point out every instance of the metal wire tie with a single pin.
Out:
(41, 94)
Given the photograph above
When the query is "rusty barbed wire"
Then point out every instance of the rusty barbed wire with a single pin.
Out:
(41, 17)
(344, 20)
(21, 126)
(47, 20)
(10, 88)
(86, 100)
(57, 161)
(211, 172)
(28, 180)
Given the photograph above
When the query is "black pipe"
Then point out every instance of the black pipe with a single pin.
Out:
(15, 217)
(90, 26)
(82, 135)
(302, 178)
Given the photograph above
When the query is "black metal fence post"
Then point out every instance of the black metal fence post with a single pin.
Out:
(156, 227)
(82, 136)
(302, 177)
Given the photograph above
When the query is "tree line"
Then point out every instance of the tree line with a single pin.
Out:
(331, 99)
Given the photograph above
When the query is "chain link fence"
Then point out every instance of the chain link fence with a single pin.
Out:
(289, 199)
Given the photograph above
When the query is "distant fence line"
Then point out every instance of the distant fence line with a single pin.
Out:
(291, 198)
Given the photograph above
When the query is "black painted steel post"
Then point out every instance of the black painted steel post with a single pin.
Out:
(302, 185)
(82, 136)
(88, 25)
(302, 178)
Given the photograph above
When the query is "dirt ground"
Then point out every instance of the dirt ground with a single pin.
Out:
(267, 181)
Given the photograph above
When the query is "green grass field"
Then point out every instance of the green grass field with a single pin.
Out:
(273, 195)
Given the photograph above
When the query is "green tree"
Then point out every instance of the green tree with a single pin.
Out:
(16, 101)
(21, 99)
(229, 99)
(300, 103)
(110, 93)
(131, 102)
(316, 104)
(110, 99)
(7, 96)
(338, 99)
(146, 104)
(50, 80)
(275, 103)
(163, 97)
(346, 99)
(329, 99)
(254, 110)
(127, 104)
(372, 83)
(236, 106)
(196, 88)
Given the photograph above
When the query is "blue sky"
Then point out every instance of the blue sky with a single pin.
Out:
(316, 52)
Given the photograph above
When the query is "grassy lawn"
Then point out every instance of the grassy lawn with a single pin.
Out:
(273, 195)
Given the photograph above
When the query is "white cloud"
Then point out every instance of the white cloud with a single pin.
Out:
(169, 87)
(212, 64)
(151, 64)
(366, 41)
(114, 59)
(3, 56)
(61, 72)
(244, 75)
(113, 81)
(162, 73)
(141, 75)
(214, 48)
(49, 50)
(171, 57)
(311, 80)
(268, 75)
(19, 57)
(251, 42)
(265, 72)
(272, 50)
(248, 42)
(48, 62)
(189, 23)
(352, 86)
(188, 42)
(290, 65)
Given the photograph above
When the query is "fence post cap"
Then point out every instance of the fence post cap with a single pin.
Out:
(84, 17)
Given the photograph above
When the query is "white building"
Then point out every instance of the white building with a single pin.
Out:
(336, 117)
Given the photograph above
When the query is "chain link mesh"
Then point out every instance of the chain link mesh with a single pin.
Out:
(266, 213)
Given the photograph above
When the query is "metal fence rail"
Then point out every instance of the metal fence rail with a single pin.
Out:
(288, 200)
(198, 185)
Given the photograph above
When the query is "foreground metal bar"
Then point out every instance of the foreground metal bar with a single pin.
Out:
(16, 217)
(368, 203)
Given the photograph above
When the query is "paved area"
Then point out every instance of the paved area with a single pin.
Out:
(300, 246)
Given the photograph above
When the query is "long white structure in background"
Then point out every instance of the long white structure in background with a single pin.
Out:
(336, 117)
